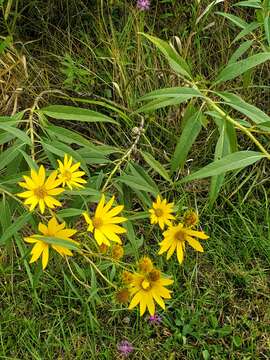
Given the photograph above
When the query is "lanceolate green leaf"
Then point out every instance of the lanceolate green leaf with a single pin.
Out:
(250, 3)
(56, 241)
(247, 30)
(156, 165)
(188, 136)
(16, 132)
(234, 19)
(267, 28)
(240, 51)
(252, 112)
(166, 97)
(223, 148)
(15, 227)
(64, 112)
(177, 63)
(231, 71)
(230, 162)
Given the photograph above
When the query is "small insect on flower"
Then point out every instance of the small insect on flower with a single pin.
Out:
(143, 4)
(68, 173)
(41, 247)
(104, 223)
(148, 288)
(190, 218)
(161, 213)
(125, 348)
(175, 238)
(41, 191)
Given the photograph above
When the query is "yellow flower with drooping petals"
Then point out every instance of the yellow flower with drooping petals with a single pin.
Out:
(41, 191)
(41, 247)
(175, 238)
(161, 213)
(69, 174)
(148, 288)
(104, 223)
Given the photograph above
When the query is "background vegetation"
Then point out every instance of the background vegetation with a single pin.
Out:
(91, 54)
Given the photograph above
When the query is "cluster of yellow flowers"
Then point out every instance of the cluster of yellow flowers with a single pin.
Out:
(145, 286)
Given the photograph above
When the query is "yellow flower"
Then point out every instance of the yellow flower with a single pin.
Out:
(41, 247)
(161, 212)
(127, 277)
(103, 225)
(122, 296)
(148, 288)
(41, 191)
(191, 218)
(117, 252)
(68, 173)
(175, 237)
(145, 264)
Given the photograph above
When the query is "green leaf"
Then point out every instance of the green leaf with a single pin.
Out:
(135, 182)
(251, 111)
(240, 51)
(177, 63)
(31, 163)
(156, 165)
(191, 130)
(7, 156)
(250, 3)
(230, 162)
(14, 228)
(223, 148)
(233, 70)
(158, 104)
(234, 19)
(70, 212)
(184, 93)
(247, 30)
(17, 133)
(267, 28)
(61, 149)
(57, 241)
(65, 112)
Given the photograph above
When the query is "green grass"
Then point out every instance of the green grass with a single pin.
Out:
(220, 304)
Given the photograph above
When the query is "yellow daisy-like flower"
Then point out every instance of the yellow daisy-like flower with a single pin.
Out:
(69, 174)
(161, 212)
(175, 238)
(148, 288)
(41, 247)
(41, 191)
(103, 224)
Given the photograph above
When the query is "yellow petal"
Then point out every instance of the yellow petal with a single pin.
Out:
(198, 234)
(99, 209)
(135, 300)
(45, 257)
(101, 238)
(43, 229)
(41, 205)
(180, 253)
(194, 243)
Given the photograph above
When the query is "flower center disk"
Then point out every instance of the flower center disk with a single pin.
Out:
(67, 174)
(97, 222)
(159, 212)
(40, 192)
(180, 235)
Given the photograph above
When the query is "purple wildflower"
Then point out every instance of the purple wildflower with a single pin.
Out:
(155, 319)
(125, 347)
(143, 4)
